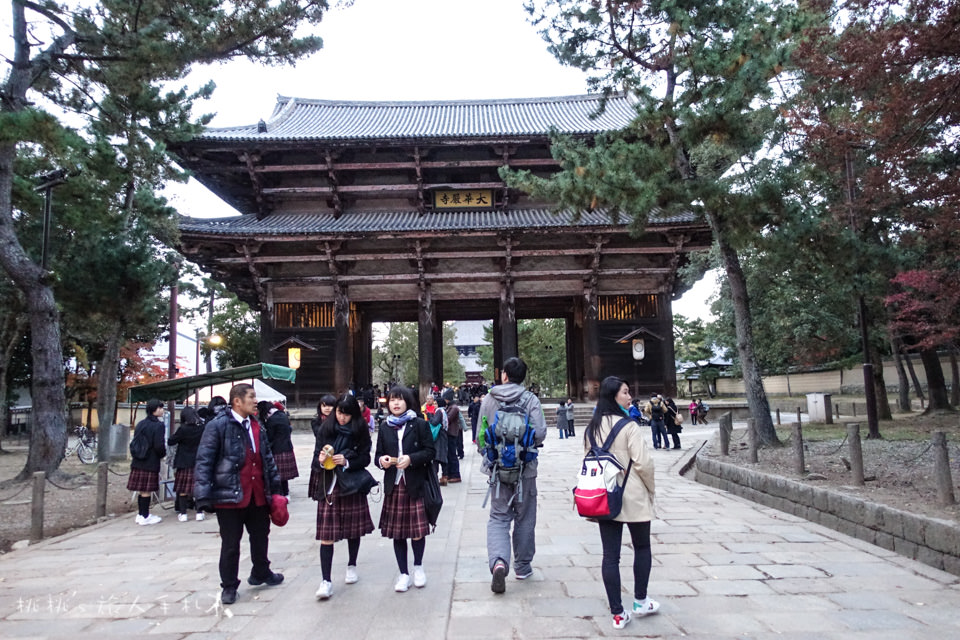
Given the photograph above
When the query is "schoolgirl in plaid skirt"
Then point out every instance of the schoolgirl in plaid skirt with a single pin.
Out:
(145, 472)
(405, 451)
(344, 442)
(187, 441)
(273, 416)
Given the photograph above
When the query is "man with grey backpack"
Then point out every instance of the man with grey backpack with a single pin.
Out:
(512, 431)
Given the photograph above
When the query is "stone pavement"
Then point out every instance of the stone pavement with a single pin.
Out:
(722, 568)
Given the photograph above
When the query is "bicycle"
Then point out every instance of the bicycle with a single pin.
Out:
(86, 447)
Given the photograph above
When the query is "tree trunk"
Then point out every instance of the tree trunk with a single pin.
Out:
(903, 383)
(936, 385)
(107, 387)
(954, 379)
(752, 380)
(880, 387)
(917, 387)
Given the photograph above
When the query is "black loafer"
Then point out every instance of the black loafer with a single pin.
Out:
(271, 580)
(229, 595)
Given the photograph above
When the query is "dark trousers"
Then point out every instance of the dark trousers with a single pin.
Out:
(232, 522)
(659, 431)
(451, 468)
(611, 537)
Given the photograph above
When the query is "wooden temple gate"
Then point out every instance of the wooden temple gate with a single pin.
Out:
(358, 213)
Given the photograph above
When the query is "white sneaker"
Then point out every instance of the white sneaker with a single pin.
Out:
(182, 517)
(621, 620)
(403, 583)
(419, 577)
(201, 516)
(150, 519)
(645, 607)
(351, 576)
(140, 519)
(325, 590)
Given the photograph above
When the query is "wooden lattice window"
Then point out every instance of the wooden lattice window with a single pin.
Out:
(628, 307)
(303, 315)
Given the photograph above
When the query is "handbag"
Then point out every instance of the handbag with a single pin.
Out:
(351, 482)
(432, 498)
(678, 419)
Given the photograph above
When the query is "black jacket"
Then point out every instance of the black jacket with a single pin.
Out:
(418, 444)
(153, 429)
(222, 452)
(279, 430)
(187, 439)
(357, 454)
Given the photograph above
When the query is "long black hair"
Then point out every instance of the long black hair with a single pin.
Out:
(347, 404)
(606, 406)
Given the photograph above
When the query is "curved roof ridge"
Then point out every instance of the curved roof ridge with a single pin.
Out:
(585, 97)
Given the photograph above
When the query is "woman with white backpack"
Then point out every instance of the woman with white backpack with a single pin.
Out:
(632, 452)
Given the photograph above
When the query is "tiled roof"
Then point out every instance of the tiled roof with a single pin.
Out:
(303, 119)
(279, 224)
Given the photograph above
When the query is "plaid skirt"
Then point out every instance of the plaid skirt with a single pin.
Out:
(143, 480)
(183, 481)
(286, 465)
(403, 517)
(347, 517)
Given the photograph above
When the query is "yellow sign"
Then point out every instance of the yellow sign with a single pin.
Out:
(463, 199)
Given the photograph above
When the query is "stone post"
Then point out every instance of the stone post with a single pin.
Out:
(752, 439)
(801, 467)
(36, 506)
(856, 452)
(941, 466)
(726, 428)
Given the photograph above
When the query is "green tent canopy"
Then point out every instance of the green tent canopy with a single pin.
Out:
(180, 388)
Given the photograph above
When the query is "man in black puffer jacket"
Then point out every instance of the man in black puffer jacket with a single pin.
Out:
(237, 476)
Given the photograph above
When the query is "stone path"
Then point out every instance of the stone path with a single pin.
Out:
(723, 568)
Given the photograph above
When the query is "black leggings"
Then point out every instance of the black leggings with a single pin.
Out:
(611, 537)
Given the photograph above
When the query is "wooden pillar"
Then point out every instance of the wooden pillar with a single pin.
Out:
(509, 346)
(591, 344)
(574, 335)
(497, 351)
(665, 328)
(438, 352)
(362, 350)
(426, 327)
(342, 341)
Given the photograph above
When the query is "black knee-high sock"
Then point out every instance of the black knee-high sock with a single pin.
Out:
(400, 550)
(285, 487)
(143, 505)
(353, 550)
(326, 560)
(418, 547)
(182, 503)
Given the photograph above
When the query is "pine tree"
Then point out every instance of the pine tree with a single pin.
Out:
(705, 78)
(112, 64)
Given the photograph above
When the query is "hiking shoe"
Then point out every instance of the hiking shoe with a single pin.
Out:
(620, 620)
(403, 583)
(645, 607)
(272, 580)
(325, 590)
(526, 574)
(351, 576)
(498, 583)
(182, 517)
(419, 577)
(150, 519)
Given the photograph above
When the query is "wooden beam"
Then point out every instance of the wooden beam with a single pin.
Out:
(334, 184)
(381, 166)
(474, 276)
(468, 255)
(383, 188)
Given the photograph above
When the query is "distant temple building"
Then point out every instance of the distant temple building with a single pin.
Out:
(469, 336)
(352, 213)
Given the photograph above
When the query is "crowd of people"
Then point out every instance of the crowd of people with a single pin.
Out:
(235, 458)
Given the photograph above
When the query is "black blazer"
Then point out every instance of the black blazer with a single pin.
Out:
(187, 439)
(153, 429)
(418, 444)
